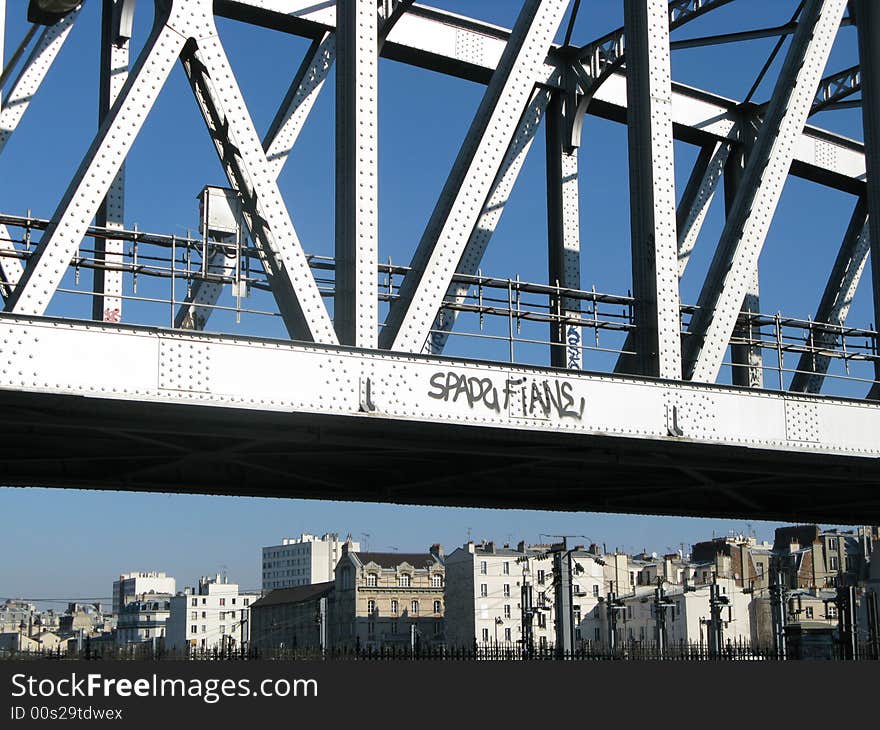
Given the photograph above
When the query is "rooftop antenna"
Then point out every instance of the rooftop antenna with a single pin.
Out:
(366, 537)
(468, 534)
(393, 548)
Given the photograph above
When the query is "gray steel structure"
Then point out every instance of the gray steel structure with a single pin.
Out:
(114, 403)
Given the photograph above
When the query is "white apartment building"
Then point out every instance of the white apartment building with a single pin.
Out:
(214, 615)
(143, 618)
(130, 585)
(303, 560)
(686, 619)
(484, 594)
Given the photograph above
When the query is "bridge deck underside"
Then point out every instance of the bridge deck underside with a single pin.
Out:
(68, 441)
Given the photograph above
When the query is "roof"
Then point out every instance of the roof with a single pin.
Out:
(392, 560)
(298, 594)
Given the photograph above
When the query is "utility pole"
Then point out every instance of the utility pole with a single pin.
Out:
(846, 621)
(563, 597)
(322, 625)
(716, 627)
(661, 603)
(613, 607)
(873, 619)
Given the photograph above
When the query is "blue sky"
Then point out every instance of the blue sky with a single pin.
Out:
(72, 543)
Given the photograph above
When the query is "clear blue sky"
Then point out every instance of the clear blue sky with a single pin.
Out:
(72, 543)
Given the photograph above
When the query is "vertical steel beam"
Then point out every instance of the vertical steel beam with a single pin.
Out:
(489, 217)
(732, 270)
(747, 360)
(563, 236)
(91, 183)
(835, 303)
(868, 22)
(2, 44)
(107, 282)
(458, 209)
(657, 329)
(357, 250)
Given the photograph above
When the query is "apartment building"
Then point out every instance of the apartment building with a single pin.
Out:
(303, 560)
(143, 619)
(130, 585)
(212, 616)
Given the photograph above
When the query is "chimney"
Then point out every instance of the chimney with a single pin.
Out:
(437, 551)
(470, 546)
(490, 546)
(521, 546)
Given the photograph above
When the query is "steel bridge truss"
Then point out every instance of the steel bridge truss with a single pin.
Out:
(657, 422)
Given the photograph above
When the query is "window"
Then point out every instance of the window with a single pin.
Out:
(436, 580)
(195, 602)
(193, 629)
(204, 628)
(507, 590)
(437, 607)
(595, 590)
(507, 634)
(485, 634)
(404, 580)
(194, 615)
(394, 606)
(146, 633)
(371, 607)
(832, 543)
(484, 590)
(506, 610)
(506, 570)
(204, 601)
(541, 577)
(542, 598)
(542, 621)
(222, 601)
(204, 614)
(222, 615)
(809, 611)
(372, 580)
(832, 610)
(247, 601)
(222, 628)
(483, 567)
(414, 607)
(832, 562)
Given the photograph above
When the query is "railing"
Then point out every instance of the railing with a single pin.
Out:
(503, 319)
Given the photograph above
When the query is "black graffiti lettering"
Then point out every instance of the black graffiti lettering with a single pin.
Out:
(536, 397)
(567, 410)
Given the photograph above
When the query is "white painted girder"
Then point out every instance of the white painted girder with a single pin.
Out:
(747, 225)
(449, 41)
(439, 251)
(148, 365)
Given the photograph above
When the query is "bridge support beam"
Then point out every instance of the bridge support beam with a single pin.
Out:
(732, 270)
(835, 303)
(489, 217)
(868, 22)
(107, 283)
(20, 95)
(563, 236)
(657, 329)
(747, 359)
(357, 219)
(451, 225)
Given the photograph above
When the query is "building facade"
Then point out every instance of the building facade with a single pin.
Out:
(143, 619)
(289, 619)
(389, 600)
(130, 585)
(303, 560)
(215, 615)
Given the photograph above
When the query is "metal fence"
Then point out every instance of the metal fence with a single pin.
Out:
(637, 651)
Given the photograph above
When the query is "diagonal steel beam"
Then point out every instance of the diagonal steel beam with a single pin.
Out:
(91, 183)
(489, 217)
(835, 88)
(742, 239)
(656, 311)
(13, 109)
(457, 211)
(244, 161)
(835, 303)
